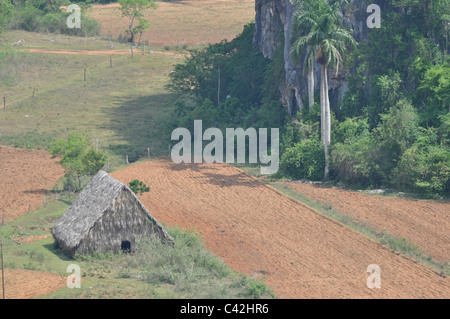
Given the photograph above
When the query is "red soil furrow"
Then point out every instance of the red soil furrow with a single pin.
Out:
(26, 284)
(259, 231)
(423, 223)
(25, 176)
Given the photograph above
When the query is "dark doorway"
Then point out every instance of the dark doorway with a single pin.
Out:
(126, 246)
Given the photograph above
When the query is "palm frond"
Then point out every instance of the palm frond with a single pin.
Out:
(318, 33)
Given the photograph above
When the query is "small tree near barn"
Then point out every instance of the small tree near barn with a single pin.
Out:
(77, 157)
(138, 187)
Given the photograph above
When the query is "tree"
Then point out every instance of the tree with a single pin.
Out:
(318, 33)
(141, 27)
(138, 187)
(5, 11)
(77, 156)
(434, 94)
(133, 9)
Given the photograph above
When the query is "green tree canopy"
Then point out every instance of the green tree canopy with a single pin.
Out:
(133, 9)
(5, 11)
(77, 156)
(138, 187)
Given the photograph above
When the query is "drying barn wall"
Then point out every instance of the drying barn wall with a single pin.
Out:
(125, 220)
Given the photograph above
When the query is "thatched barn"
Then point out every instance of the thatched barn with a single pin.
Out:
(106, 216)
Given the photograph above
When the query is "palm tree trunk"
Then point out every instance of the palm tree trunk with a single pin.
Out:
(311, 87)
(325, 117)
(322, 106)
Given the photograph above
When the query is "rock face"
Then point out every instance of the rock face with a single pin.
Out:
(273, 29)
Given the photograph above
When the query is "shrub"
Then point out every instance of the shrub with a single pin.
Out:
(138, 187)
(354, 161)
(397, 132)
(305, 159)
(187, 262)
(349, 129)
(424, 170)
(42, 17)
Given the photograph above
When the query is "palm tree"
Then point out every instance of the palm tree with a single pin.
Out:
(318, 33)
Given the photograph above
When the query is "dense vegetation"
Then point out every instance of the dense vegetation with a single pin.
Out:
(394, 121)
(229, 84)
(45, 16)
(391, 130)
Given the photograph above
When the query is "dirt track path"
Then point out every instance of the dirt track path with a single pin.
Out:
(423, 223)
(25, 176)
(259, 231)
(100, 52)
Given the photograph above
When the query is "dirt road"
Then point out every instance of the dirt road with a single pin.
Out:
(261, 232)
(99, 52)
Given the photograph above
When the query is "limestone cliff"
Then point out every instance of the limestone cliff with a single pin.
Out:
(273, 29)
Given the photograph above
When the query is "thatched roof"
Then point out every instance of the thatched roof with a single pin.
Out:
(90, 205)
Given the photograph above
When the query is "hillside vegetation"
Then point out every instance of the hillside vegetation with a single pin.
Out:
(390, 131)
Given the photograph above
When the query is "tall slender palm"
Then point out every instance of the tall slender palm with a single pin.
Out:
(318, 33)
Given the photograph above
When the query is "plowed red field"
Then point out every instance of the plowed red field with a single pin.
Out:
(25, 176)
(423, 223)
(260, 231)
(26, 284)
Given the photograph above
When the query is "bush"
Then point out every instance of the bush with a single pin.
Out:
(40, 17)
(433, 94)
(355, 161)
(138, 187)
(305, 159)
(397, 132)
(425, 170)
(349, 129)
(184, 264)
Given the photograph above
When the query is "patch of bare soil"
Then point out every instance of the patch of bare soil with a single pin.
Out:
(423, 223)
(25, 176)
(255, 229)
(30, 239)
(182, 22)
(27, 284)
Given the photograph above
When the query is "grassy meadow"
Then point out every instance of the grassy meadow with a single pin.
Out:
(124, 106)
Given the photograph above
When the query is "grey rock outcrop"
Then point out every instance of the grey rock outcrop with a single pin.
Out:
(273, 29)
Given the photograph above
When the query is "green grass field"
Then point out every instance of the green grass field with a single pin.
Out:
(124, 106)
